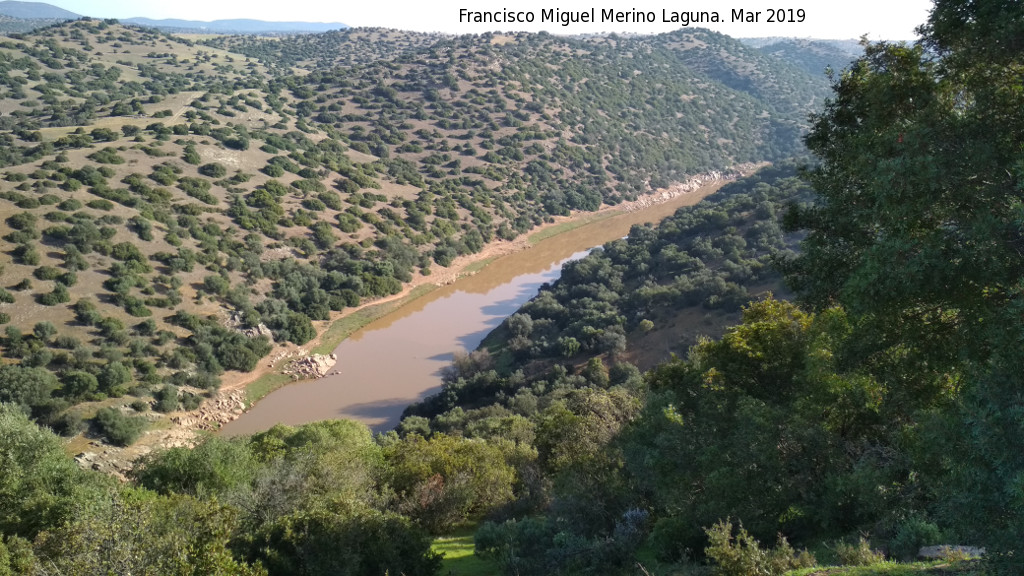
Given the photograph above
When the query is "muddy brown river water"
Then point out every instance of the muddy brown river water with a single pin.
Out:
(396, 360)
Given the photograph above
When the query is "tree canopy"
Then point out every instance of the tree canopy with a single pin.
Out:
(919, 234)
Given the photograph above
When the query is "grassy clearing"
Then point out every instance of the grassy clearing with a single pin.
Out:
(459, 555)
(265, 385)
(571, 225)
(344, 327)
(477, 266)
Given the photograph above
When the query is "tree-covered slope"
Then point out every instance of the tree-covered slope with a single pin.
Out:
(815, 57)
(348, 47)
(888, 408)
(695, 269)
(639, 300)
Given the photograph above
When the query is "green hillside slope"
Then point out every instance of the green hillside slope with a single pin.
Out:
(168, 206)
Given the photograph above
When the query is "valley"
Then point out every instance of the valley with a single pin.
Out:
(364, 301)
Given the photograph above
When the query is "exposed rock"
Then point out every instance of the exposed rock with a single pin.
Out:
(691, 184)
(215, 412)
(946, 550)
(260, 330)
(235, 322)
(307, 367)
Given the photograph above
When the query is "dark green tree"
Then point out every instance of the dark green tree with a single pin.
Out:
(918, 233)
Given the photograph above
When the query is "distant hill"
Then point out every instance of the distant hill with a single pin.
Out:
(240, 26)
(34, 10)
(21, 17)
(11, 25)
(849, 45)
(813, 56)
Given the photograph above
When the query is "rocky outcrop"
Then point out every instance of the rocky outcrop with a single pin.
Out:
(215, 412)
(947, 551)
(309, 367)
(666, 194)
(118, 461)
(236, 323)
(693, 183)
(257, 331)
(101, 461)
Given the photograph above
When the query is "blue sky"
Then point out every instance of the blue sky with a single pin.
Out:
(880, 19)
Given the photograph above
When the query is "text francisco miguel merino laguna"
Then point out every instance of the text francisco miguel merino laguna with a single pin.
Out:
(684, 18)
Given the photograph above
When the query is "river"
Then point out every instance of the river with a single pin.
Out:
(396, 360)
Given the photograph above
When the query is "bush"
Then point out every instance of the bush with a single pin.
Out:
(59, 295)
(119, 429)
(101, 204)
(106, 156)
(911, 536)
(447, 480)
(330, 199)
(46, 272)
(27, 255)
(365, 542)
(191, 401)
(166, 399)
(213, 170)
(70, 205)
(68, 424)
(859, 554)
(674, 539)
(744, 556)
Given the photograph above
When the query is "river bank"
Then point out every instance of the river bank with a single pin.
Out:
(240, 391)
(396, 360)
(266, 377)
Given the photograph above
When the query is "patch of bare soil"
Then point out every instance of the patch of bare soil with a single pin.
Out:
(167, 431)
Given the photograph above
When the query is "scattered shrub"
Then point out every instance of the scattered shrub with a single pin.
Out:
(106, 156)
(191, 401)
(59, 295)
(119, 428)
(911, 535)
(166, 399)
(70, 205)
(743, 556)
(213, 170)
(859, 554)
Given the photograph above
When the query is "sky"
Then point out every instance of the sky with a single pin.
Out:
(879, 19)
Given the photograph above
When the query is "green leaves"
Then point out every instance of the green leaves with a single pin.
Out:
(918, 234)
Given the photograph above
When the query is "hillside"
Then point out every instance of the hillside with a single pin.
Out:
(812, 55)
(634, 303)
(20, 17)
(35, 10)
(172, 209)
